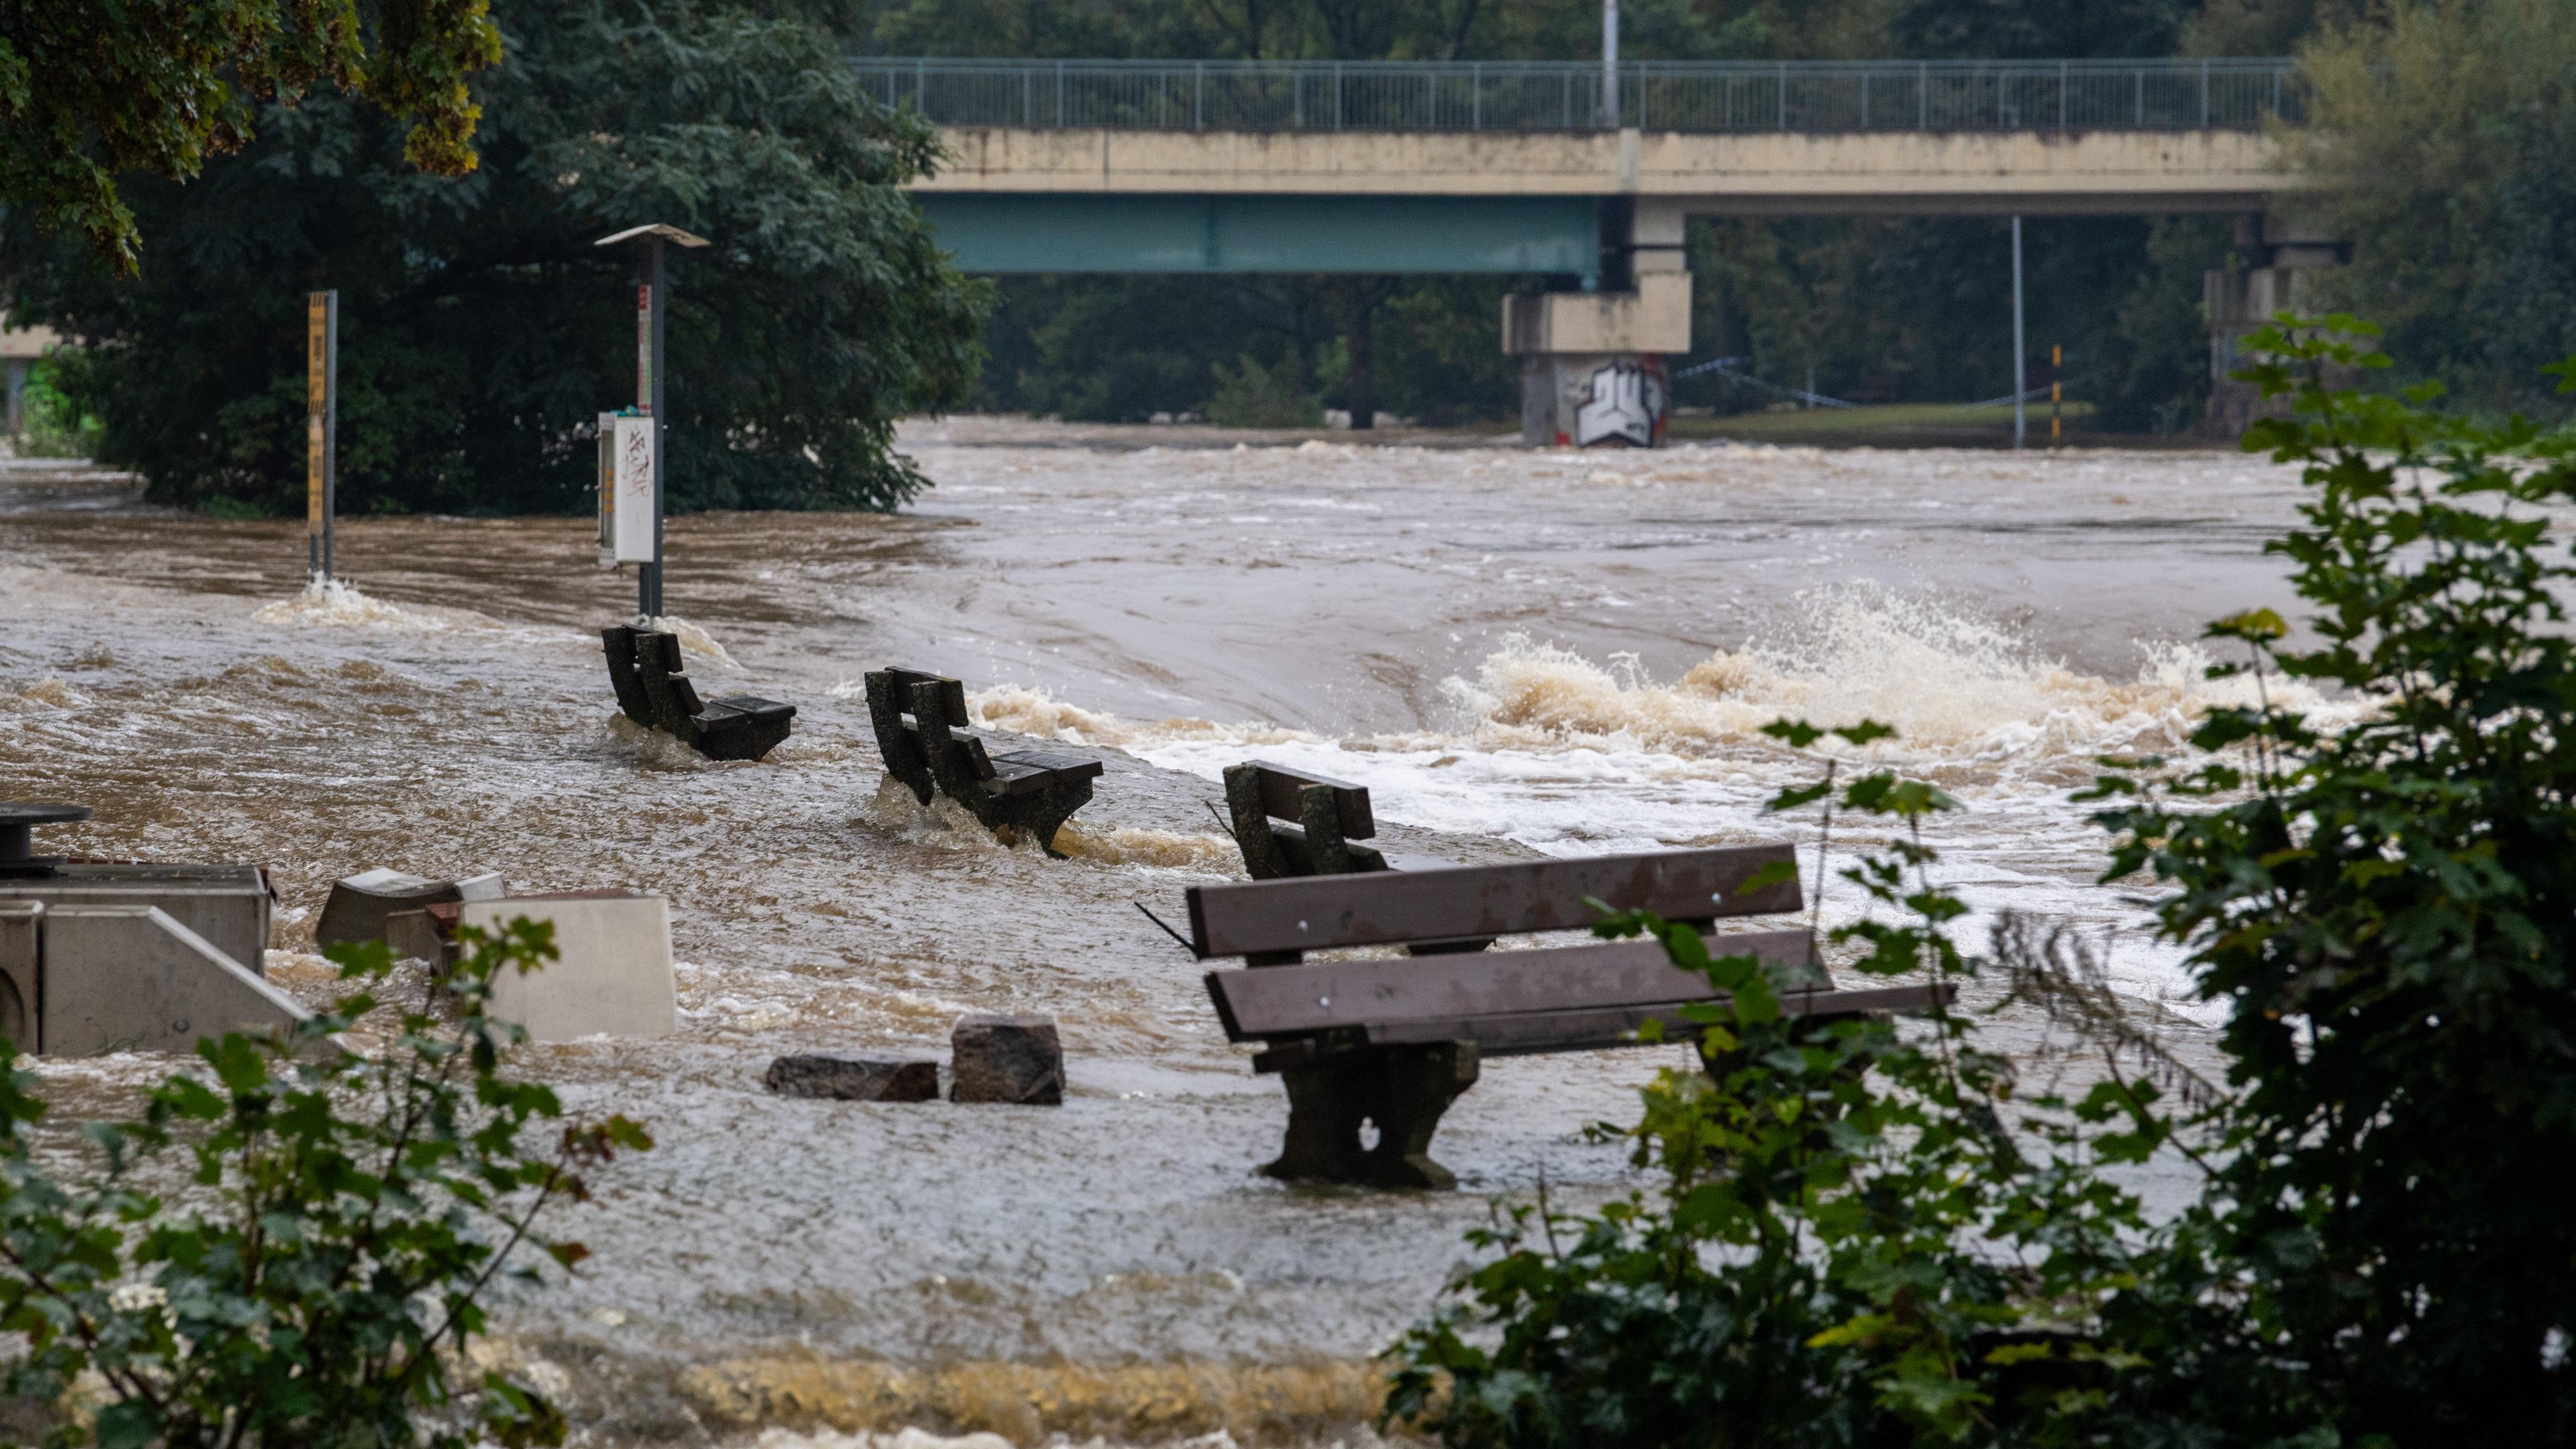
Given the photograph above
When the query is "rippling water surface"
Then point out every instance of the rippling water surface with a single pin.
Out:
(1517, 652)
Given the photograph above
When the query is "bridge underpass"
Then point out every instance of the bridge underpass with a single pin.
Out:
(1467, 168)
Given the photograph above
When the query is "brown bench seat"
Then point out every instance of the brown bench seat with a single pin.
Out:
(1393, 1041)
(921, 721)
(644, 668)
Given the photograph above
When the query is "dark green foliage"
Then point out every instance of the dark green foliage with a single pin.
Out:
(482, 332)
(344, 1220)
(89, 92)
(1851, 1244)
(2387, 906)
(2038, 29)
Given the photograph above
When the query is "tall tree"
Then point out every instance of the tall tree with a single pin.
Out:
(2451, 131)
(90, 91)
(482, 331)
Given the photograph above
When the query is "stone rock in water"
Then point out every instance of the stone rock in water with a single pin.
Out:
(855, 1079)
(1007, 1059)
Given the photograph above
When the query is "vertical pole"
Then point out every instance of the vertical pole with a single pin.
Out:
(2021, 380)
(1198, 96)
(1476, 96)
(330, 422)
(661, 417)
(1784, 95)
(321, 428)
(2056, 390)
(1609, 65)
(1923, 96)
(2204, 95)
(2061, 95)
(1059, 93)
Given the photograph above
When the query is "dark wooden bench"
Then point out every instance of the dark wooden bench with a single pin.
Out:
(653, 690)
(919, 718)
(1290, 823)
(1393, 1041)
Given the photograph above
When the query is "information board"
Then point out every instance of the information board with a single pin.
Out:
(633, 463)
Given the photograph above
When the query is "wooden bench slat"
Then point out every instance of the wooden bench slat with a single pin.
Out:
(1603, 1028)
(1026, 772)
(1280, 1000)
(1383, 907)
(1279, 790)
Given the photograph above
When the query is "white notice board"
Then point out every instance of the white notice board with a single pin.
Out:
(635, 484)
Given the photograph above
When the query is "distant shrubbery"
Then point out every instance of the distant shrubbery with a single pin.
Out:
(1862, 1235)
(1253, 396)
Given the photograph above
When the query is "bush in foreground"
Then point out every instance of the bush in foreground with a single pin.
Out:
(1850, 1243)
(343, 1220)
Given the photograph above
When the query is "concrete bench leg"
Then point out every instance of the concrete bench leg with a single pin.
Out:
(1403, 1090)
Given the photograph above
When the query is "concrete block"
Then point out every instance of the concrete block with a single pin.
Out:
(855, 1079)
(614, 976)
(1007, 1059)
(484, 887)
(228, 905)
(360, 903)
(21, 935)
(132, 978)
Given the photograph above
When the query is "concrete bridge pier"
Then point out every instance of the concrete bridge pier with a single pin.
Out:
(2277, 254)
(1592, 362)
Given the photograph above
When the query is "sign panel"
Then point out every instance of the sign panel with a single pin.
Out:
(635, 485)
(607, 490)
(317, 406)
(644, 349)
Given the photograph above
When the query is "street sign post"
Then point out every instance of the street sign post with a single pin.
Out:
(652, 317)
(321, 427)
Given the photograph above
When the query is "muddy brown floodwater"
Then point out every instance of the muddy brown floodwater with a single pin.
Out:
(1517, 652)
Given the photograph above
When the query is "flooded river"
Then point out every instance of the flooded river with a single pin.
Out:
(1517, 652)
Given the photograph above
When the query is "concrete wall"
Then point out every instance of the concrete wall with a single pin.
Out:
(1761, 173)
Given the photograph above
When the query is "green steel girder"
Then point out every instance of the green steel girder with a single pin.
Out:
(1040, 232)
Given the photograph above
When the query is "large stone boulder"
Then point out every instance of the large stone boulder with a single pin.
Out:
(1012, 1059)
(864, 1078)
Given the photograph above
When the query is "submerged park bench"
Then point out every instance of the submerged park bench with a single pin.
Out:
(1394, 1041)
(644, 668)
(1290, 823)
(1029, 791)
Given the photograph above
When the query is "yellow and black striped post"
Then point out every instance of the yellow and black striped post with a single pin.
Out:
(321, 426)
(2056, 389)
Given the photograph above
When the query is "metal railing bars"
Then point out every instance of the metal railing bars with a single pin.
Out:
(1688, 96)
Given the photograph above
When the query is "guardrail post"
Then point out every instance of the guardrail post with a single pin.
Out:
(2276, 91)
(1864, 100)
(2061, 95)
(1337, 95)
(1476, 97)
(920, 90)
(1922, 96)
(1198, 96)
(2204, 95)
(1059, 93)
(1784, 95)
(2141, 74)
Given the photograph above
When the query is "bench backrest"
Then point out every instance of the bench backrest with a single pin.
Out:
(1380, 908)
(952, 694)
(1282, 789)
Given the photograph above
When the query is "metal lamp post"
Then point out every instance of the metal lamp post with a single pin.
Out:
(652, 309)
(1609, 65)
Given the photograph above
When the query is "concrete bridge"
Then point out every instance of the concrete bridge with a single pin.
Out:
(1465, 167)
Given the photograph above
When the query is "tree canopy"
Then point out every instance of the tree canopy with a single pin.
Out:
(91, 91)
(481, 329)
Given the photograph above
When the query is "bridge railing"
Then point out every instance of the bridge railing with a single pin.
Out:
(1216, 95)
